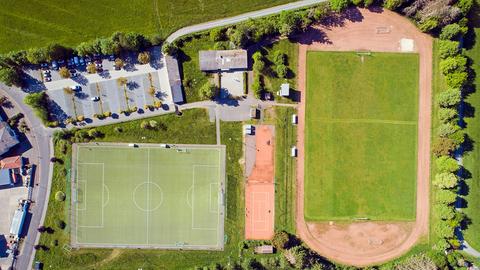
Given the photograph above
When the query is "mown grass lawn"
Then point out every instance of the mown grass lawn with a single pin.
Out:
(361, 136)
(192, 127)
(472, 158)
(26, 24)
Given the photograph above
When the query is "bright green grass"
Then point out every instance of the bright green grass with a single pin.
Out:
(148, 196)
(472, 158)
(361, 136)
(28, 24)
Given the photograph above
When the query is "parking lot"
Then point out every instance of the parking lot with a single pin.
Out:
(102, 93)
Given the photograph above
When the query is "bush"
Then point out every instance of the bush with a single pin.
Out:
(339, 5)
(94, 133)
(257, 86)
(280, 240)
(117, 129)
(169, 49)
(144, 58)
(80, 118)
(443, 229)
(447, 164)
(208, 91)
(64, 72)
(216, 34)
(258, 63)
(417, 262)
(60, 196)
(279, 58)
(60, 224)
(10, 76)
(448, 48)
(144, 124)
(451, 32)
(465, 5)
(107, 114)
(428, 25)
(39, 103)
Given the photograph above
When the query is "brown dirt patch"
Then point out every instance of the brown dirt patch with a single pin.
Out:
(367, 243)
(260, 188)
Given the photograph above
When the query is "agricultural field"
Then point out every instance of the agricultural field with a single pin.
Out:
(26, 24)
(361, 136)
(126, 197)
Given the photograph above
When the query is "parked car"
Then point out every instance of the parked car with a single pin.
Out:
(44, 65)
(76, 61)
(88, 59)
(55, 65)
(48, 79)
(82, 61)
(111, 57)
(76, 88)
(46, 71)
(61, 62)
(94, 98)
(96, 56)
(73, 72)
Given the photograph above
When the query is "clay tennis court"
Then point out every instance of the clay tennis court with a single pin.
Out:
(260, 189)
(367, 243)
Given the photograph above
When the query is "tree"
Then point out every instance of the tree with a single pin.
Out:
(339, 5)
(85, 48)
(216, 34)
(448, 48)
(417, 262)
(144, 58)
(441, 245)
(93, 133)
(37, 55)
(428, 24)
(208, 91)
(449, 98)
(257, 86)
(290, 22)
(39, 102)
(447, 164)
(392, 4)
(119, 63)
(169, 49)
(445, 180)
(444, 146)
(60, 224)
(446, 114)
(451, 32)
(64, 73)
(91, 68)
(300, 255)
(258, 63)
(443, 211)
(465, 5)
(108, 46)
(443, 229)
(280, 240)
(445, 196)
(281, 70)
(57, 52)
(10, 76)
(240, 36)
(456, 79)
(453, 64)
(122, 81)
(279, 58)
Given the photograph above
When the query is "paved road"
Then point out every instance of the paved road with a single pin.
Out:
(40, 138)
(239, 18)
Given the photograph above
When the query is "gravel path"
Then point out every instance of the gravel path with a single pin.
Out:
(367, 243)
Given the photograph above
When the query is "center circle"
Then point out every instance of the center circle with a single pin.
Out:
(148, 196)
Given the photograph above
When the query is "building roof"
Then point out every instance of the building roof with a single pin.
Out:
(5, 178)
(17, 222)
(284, 89)
(174, 79)
(8, 139)
(11, 162)
(265, 249)
(223, 60)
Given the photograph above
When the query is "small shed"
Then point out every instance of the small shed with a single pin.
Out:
(294, 119)
(293, 151)
(284, 90)
(265, 249)
(17, 222)
(223, 60)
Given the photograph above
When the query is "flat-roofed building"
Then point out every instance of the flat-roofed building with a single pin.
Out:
(223, 60)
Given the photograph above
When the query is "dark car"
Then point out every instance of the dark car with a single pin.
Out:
(82, 61)
(61, 62)
(88, 59)
(38, 265)
(111, 57)
(55, 65)
(44, 65)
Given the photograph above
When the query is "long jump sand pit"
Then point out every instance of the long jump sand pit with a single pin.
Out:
(367, 243)
(260, 189)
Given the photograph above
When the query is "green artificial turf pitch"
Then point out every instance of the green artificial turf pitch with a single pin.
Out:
(148, 196)
(361, 136)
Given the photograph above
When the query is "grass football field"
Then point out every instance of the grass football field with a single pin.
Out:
(148, 197)
(361, 136)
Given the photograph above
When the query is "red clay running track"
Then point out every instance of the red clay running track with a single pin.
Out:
(368, 243)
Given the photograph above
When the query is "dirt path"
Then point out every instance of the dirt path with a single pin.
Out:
(367, 243)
